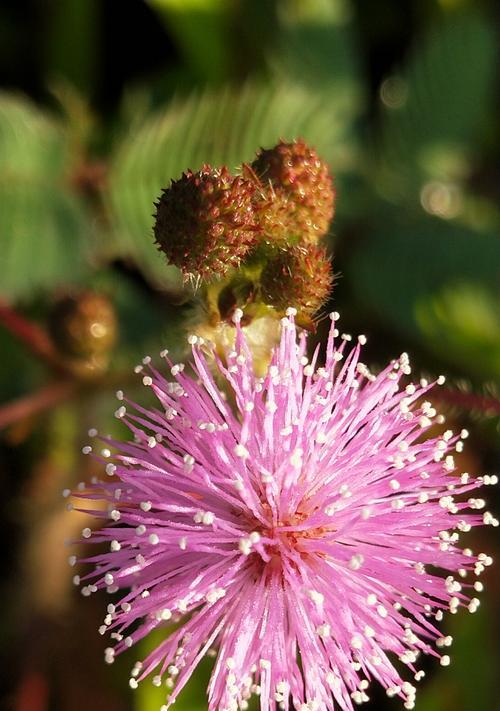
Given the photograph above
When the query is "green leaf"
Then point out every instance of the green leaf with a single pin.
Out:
(463, 319)
(471, 680)
(193, 696)
(42, 223)
(437, 283)
(201, 29)
(217, 127)
(436, 108)
(71, 54)
(316, 46)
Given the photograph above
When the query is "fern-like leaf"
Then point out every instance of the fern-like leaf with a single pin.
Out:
(42, 222)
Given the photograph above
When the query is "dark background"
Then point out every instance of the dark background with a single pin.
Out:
(101, 104)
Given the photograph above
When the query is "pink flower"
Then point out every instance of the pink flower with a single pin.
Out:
(301, 530)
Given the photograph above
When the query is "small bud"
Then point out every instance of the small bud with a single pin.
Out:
(296, 200)
(300, 276)
(205, 222)
(83, 324)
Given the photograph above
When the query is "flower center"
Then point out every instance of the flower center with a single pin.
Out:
(288, 538)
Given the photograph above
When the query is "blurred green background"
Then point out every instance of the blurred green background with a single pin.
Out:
(101, 104)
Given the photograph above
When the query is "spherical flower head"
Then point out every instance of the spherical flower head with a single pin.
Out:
(296, 196)
(300, 275)
(205, 222)
(308, 538)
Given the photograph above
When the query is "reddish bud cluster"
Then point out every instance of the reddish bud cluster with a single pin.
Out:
(205, 222)
(297, 195)
(209, 222)
(300, 276)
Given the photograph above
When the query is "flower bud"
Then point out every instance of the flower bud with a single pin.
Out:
(300, 276)
(296, 196)
(83, 325)
(205, 222)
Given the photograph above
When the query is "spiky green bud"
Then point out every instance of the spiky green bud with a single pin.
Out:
(205, 222)
(296, 196)
(300, 276)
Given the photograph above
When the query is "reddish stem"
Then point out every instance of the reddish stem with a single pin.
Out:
(33, 693)
(29, 333)
(34, 403)
(58, 391)
(468, 401)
